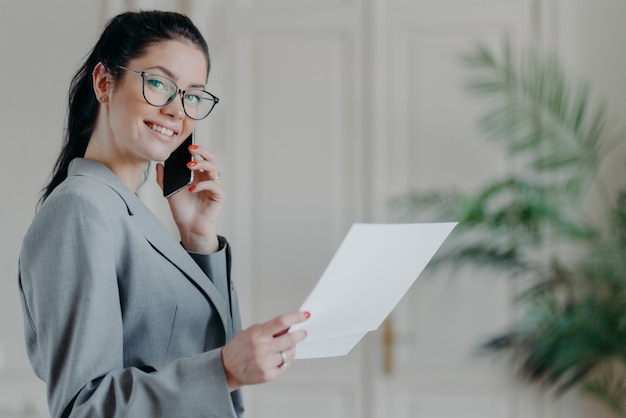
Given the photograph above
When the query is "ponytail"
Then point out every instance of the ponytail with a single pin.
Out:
(81, 118)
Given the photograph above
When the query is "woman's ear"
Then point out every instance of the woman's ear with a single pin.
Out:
(101, 83)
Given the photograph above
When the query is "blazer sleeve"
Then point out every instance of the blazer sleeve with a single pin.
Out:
(73, 325)
(217, 266)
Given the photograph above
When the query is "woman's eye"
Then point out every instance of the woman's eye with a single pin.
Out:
(192, 99)
(156, 84)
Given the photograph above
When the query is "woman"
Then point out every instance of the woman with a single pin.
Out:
(122, 319)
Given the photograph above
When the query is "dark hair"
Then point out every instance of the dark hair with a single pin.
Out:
(126, 36)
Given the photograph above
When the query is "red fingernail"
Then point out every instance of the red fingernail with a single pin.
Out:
(192, 188)
(192, 164)
(193, 147)
(307, 315)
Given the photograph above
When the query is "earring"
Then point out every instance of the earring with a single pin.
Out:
(102, 99)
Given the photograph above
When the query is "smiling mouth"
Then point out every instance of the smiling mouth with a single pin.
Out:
(160, 129)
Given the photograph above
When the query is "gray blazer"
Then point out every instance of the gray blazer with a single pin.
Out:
(119, 320)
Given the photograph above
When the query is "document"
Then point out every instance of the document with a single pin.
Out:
(373, 268)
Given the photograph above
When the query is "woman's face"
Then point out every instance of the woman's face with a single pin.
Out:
(142, 132)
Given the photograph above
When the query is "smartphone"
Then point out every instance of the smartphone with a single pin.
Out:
(177, 175)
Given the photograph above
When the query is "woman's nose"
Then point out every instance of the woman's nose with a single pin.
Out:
(175, 107)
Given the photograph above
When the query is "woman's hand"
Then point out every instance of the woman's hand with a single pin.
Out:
(254, 355)
(196, 209)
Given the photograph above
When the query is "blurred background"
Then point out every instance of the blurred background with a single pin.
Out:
(329, 109)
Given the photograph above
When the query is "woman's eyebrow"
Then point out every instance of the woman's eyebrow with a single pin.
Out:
(172, 76)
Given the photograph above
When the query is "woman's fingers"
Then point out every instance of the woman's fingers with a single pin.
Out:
(285, 357)
(262, 352)
(208, 169)
(284, 341)
(206, 173)
(204, 162)
(282, 323)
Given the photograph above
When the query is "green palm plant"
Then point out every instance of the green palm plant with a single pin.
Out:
(532, 224)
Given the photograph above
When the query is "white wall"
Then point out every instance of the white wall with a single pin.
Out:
(589, 38)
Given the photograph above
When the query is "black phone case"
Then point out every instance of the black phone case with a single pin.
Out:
(177, 175)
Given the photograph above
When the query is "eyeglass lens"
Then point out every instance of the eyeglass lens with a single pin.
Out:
(159, 91)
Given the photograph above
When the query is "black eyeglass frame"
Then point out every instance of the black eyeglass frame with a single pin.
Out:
(179, 91)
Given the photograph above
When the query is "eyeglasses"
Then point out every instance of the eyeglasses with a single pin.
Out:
(159, 91)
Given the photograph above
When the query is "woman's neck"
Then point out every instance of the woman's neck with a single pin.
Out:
(132, 173)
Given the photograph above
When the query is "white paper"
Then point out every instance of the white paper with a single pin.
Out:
(333, 347)
(373, 268)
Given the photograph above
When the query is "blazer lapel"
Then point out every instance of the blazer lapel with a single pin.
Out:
(157, 235)
(163, 242)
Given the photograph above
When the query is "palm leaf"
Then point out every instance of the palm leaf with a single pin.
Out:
(535, 111)
(574, 307)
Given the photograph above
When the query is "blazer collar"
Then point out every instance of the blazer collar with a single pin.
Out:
(156, 233)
